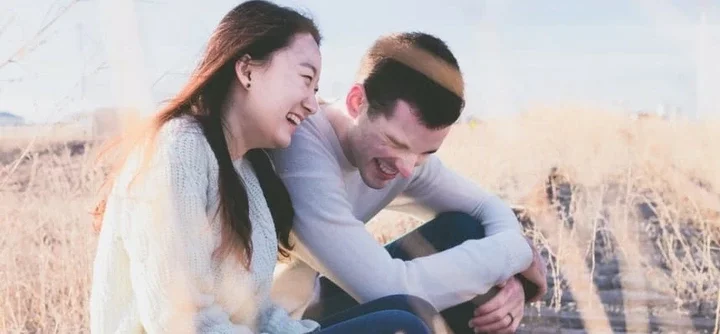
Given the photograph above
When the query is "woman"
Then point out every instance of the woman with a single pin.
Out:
(195, 216)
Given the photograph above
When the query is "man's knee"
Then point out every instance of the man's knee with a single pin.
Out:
(410, 303)
(399, 321)
(414, 305)
(447, 230)
(460, 223)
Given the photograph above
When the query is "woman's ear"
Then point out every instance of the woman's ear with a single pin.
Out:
(243, 71)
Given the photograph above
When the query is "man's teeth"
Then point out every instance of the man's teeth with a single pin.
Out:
(386, 169)
(293, 118)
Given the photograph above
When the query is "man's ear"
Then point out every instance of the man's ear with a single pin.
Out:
(243, 71)
(355, 100)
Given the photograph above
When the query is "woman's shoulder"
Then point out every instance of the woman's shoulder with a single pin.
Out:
(179, 143)
(185, 126)
(182, 135)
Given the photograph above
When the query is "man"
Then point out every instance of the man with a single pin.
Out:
(350, 161)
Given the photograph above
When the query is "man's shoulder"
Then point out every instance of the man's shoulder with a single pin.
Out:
(430, 168)
(315, 127)
(311, 147)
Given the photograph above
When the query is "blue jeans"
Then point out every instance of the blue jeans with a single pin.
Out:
(391, 314)
(447, 230)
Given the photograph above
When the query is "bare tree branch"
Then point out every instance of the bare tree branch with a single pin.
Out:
(167, 74)
(38, 38)
(7, 24)
(58, 105)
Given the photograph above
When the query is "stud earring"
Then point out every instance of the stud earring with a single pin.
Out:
(248, 85)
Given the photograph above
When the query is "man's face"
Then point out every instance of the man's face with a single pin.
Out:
(385, 147)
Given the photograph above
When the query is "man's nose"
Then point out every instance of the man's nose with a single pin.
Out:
(406, 165)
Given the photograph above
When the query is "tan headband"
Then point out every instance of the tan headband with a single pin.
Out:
(424, 62)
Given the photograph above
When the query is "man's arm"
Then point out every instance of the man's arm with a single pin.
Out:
(440, 189)
(331, 240)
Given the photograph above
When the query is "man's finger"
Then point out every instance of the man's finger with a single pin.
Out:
(536, 274)
(500, 320)
(514, 300)
(494, 303)
(508, 322)
(512, 287)
(518, 312)
(490, 318)
(536, 280)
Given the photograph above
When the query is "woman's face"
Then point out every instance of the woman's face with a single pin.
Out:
(282, 92)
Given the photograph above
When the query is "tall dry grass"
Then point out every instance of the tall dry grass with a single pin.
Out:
(47, 243)
(645, 194)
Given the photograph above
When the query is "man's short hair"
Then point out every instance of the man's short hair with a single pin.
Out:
(417, 68)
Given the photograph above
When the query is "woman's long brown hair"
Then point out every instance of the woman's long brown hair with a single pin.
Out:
(257, 29)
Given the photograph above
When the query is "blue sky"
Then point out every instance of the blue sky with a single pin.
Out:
(515, 53)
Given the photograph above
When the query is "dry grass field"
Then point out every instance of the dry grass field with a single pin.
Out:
(627, 213)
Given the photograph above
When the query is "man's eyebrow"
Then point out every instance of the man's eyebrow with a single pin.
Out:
(404, 146)
(310, 66)
(397, 142)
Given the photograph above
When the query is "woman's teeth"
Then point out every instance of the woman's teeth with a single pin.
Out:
(295, 119)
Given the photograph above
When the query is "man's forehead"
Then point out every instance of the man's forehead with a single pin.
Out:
(407, 115)
(407, 121)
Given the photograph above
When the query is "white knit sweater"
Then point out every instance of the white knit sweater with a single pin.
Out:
(154, 271)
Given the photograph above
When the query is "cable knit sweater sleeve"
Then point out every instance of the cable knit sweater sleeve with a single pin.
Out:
(170, 242)
(277, 320)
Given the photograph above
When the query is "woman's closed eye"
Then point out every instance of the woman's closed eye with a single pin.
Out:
(308, 79)
(308, 82)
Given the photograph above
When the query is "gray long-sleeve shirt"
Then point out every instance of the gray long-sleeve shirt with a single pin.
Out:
(333, 204)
